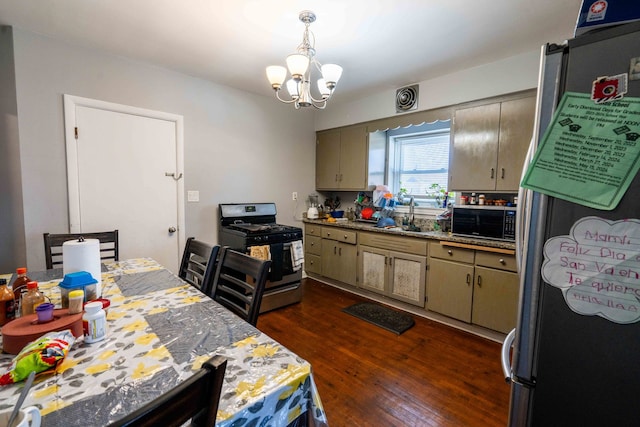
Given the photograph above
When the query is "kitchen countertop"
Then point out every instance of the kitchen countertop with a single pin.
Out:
(398, 231)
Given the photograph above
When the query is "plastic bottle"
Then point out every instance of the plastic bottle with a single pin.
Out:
(472, 200)
(76, 298)
(94, 322)
(19, 285)
(31, 299)
(7, 303)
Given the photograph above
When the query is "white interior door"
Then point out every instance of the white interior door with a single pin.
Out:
(125, 172)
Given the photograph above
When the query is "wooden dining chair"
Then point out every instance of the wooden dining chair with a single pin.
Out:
(239, 283)
(198, 266)
(53, 245)
(195, 398)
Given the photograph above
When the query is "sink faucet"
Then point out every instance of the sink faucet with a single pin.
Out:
(411, 210)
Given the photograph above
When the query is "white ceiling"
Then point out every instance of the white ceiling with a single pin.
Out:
(381, 44)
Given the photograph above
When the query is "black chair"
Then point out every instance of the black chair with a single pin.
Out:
(239, 283)
(53, 245)
(196, 398)
(198, 265)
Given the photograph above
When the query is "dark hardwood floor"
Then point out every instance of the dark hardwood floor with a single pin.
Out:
(431, 375)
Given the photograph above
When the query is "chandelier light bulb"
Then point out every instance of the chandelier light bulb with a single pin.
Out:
(331, 74)
(292, 88)
(276, 76)
(323, 89)
(298, 65)
(302, 66)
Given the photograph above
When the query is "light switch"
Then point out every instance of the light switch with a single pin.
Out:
(193, 196)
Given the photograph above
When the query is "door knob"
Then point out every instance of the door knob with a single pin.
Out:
(172, 230)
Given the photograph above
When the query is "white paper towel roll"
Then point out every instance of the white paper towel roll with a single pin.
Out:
(83, 256)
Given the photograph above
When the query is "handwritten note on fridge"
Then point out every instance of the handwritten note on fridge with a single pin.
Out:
(597, 267)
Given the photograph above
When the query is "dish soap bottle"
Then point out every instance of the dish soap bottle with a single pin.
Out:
(31, 299)
(7, 303)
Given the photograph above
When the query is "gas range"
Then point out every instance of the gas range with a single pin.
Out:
(243, 225)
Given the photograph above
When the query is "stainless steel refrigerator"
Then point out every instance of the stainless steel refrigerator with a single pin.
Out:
(568, 368)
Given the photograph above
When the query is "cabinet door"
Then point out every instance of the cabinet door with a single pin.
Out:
(516, 130)
(328, 160)
(495, 299)
(348, 261)
(353, 158)
(450, 289)
(339, 261)
(330, 259)
(474, 148)
(373, 269)
(407, 278)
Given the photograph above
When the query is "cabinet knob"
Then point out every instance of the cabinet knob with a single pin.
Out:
(502, 174)
(492, 172)
(468, 279)
(450, 252)
(502, 261)
(479, 281)
(346, 237)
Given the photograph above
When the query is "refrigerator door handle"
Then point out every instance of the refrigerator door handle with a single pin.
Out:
(521, 210)
(506, 355)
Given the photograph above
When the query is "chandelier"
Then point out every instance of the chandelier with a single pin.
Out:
(300, 65)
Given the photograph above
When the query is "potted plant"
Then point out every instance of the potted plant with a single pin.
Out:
(438, 193)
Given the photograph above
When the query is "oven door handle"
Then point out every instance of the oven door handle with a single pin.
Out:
(277, 261)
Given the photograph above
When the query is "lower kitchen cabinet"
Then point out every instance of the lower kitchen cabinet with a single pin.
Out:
(339, 255)
(313, 249)
(399, 275)
(450, 289)
(495, 296)
(473, 286)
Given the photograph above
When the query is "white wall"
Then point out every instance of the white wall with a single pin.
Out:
(239, 147)
(506, 76)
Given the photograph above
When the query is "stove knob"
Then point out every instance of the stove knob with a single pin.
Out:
(258, 238)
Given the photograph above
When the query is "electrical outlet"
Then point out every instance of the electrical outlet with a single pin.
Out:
(294, 195)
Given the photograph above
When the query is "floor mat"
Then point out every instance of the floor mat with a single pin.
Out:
(384, 317)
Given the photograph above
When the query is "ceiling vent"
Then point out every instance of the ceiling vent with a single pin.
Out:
(407, 99)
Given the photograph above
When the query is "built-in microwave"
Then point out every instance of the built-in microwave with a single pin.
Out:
(489, 222)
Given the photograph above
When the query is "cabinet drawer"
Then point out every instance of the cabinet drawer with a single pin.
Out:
(313, 245)
(312, 264)
(394, 243)
(313, 230)
(339, 235)
(494, 260)
(436, 250)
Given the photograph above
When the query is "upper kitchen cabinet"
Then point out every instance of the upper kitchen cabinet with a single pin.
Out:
(342, 158)
(489, 144)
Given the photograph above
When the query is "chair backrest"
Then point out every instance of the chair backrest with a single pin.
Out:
(239, 283)
(198, 266)
(195, 398)
(53, 245)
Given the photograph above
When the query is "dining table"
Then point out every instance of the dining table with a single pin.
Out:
(160, 330)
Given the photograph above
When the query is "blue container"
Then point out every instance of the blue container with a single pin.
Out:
(80, 280)
(337, 214)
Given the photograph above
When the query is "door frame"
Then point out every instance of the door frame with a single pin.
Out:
(70, 104)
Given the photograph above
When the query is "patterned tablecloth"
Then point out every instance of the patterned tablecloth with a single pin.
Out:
(161, 330)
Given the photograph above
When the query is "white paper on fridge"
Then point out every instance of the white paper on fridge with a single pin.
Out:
(83, 256)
